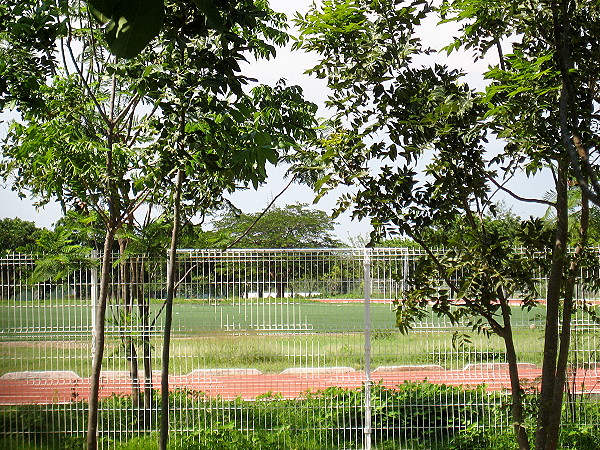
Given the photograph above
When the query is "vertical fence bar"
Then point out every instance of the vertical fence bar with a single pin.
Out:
(367, 293)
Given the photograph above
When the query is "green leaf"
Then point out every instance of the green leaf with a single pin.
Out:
(134, 23)
(100, 17)
(210, 11)
(271, 155)
(322, 181)
(104, 8)
(262, 139)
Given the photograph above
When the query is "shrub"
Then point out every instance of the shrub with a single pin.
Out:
(412, 415)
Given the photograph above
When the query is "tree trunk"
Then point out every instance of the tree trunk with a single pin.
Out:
(551, 338)
(164, 383)
(98, 341)
(553, 426)
(565, 334)
(280, 289)
(112, 226)
(513, 369)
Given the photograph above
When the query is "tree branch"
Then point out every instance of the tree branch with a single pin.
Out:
(472, 304)
(500, 54)
(135, 204)
(137, 133)
(518, 197)
(87, 86)
(132, 103)
(578, 163)
(64, 58)
(264, 211)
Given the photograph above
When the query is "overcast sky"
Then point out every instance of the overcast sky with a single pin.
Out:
(291, 66)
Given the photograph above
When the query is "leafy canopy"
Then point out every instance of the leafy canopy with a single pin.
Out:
(291, 226)
(15, 233)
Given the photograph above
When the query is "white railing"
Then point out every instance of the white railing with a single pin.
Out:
(248, 323)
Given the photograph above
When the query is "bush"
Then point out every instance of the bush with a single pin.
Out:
(580, 437)
(413, 415)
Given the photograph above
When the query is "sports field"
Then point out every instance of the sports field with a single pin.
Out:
(47, 316)
(268, 335)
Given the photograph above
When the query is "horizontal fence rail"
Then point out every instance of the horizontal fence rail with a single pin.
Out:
(280, 346)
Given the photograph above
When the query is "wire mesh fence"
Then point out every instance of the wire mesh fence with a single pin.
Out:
(281, 347)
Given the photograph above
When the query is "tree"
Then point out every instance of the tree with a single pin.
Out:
(212, 136)
(15, 233)
(78, 142)
(291, 226)
(90, 132)
(288, 227)
(428, 132)
(547, 84)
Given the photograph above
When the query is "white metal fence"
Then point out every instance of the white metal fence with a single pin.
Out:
(271, 348)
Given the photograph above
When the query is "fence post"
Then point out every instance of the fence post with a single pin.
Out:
(94, 295)
(367, 293)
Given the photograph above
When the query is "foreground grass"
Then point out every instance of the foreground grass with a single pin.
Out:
(578, 439)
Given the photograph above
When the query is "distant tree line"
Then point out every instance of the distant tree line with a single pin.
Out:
(289, 226)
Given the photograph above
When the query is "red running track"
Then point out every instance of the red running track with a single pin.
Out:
(64, 387)
(389, 301)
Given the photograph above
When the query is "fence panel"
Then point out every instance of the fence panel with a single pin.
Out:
(268, 346)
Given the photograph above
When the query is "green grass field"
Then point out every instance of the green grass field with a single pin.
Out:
(45, 318)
